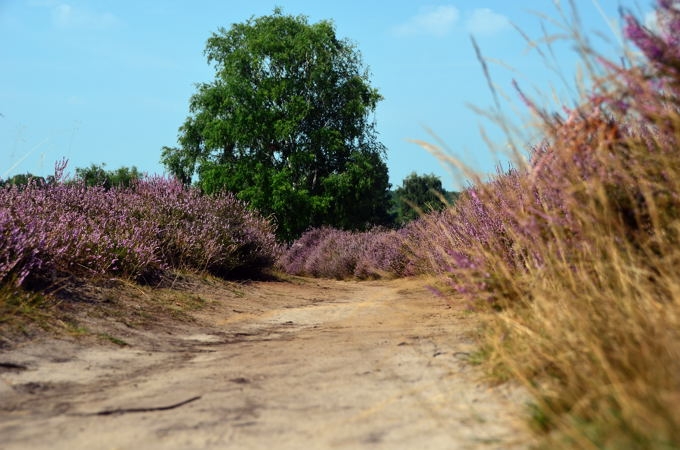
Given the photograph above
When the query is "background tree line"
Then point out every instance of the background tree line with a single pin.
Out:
(94, 175)
(417, 193)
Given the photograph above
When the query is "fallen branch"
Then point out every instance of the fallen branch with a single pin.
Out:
(111, 412)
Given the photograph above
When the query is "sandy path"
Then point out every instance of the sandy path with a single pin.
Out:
(317, 365)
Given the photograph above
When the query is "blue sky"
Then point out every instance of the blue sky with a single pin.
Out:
(109, 81)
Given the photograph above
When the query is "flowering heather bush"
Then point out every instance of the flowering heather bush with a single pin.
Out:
(324, 252)
(385, 255)
(217, 233)
(331, 253)
(69, 229)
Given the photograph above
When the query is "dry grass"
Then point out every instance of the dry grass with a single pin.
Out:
(578, 253)
(76, 308)
(21, 312)
(596, 337)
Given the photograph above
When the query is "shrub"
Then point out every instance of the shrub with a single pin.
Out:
(66, 229)
(217, 233)
(332, 253)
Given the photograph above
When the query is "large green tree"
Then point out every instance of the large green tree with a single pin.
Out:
(287, 125)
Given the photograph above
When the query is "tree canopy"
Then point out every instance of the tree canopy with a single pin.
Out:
(287, 125)
(418, 194)
(97, 175)
(23, 179)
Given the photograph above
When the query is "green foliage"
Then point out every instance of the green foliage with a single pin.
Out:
(359, 195)
(98, 176)
(24, 179)
(286, 125)
(418, 194)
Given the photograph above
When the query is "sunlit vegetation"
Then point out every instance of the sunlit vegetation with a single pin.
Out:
(64, 229)
(572, 255)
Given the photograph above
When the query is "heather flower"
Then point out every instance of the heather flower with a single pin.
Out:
(331, 253)
(69, 229)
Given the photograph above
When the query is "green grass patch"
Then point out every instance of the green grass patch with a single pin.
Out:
(114, 339)
(20, 308)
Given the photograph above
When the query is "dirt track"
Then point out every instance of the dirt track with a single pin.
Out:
(304, 365)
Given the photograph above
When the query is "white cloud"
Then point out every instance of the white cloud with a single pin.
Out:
(66, 16)
(484, 21)
(435, 21)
